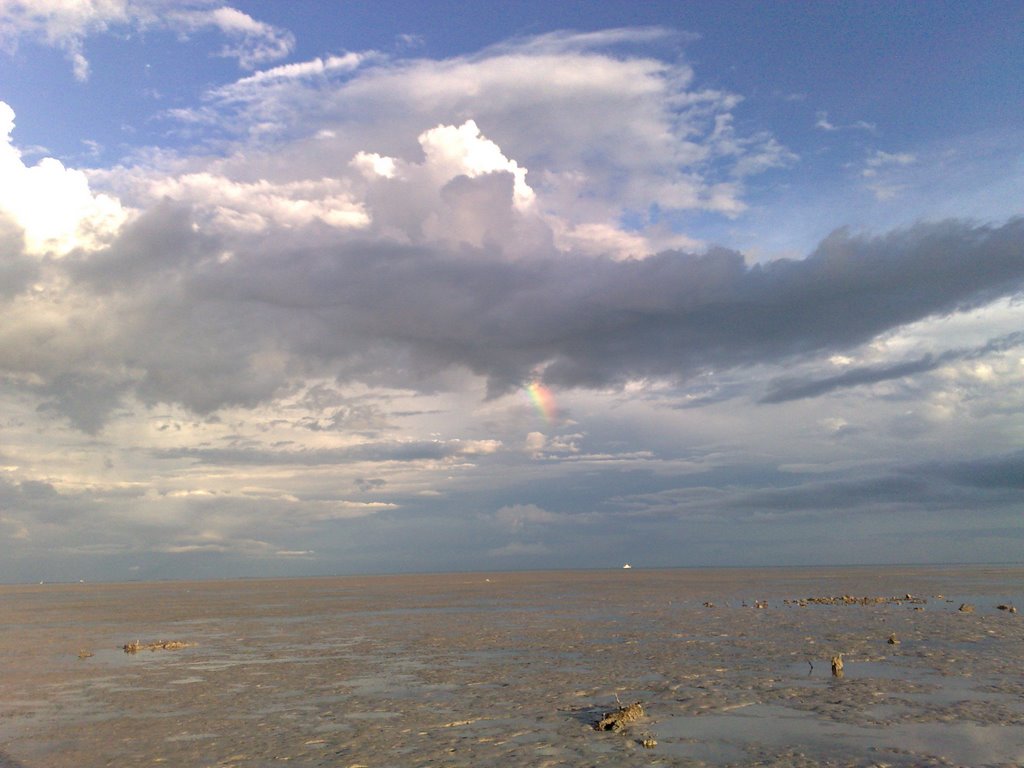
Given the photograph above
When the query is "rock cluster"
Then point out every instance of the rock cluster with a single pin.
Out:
(851, 600)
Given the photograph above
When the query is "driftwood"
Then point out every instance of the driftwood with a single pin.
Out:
(620, 718)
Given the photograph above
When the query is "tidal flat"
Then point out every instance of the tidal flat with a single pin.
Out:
(731, 666)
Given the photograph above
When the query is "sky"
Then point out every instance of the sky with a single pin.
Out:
(311, 288)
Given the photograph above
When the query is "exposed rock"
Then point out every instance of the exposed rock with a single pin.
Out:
(837, 665)
(620, 718)
(966, 608)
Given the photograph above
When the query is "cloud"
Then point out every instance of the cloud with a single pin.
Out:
(405, 451)
(208, 332)
(787, 389)
(256, 205)
(519, 516)
(314, 68)
(17, 269)
(66, 24)
(881, 168)
(823, 123)
(253, 42)
(53, 205)
(987, 485)
(402, 247)
(544, 101)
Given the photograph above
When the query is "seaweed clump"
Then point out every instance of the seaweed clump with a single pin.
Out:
(620, 718)
(160, 645)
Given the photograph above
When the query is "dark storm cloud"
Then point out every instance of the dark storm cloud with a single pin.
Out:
(1003, 472)
(198, 329)
(968, 487)
(376, 452)
(600, 321)
(784, 390)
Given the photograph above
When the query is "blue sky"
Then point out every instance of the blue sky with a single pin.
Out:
(287, 284)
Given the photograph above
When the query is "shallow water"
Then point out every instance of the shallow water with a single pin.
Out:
(514, 669)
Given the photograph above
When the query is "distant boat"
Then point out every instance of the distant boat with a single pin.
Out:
(627, 565)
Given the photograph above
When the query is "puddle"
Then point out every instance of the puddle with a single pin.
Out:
(370, 715)
(719, 737)
(852, 670)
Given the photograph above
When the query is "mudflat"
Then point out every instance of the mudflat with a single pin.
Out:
(731, 667)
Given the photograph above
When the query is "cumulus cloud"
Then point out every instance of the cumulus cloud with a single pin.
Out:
(257, 205)
(53, 205)
(545, 102)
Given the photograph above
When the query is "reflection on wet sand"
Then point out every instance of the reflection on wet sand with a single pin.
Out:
(731, 667)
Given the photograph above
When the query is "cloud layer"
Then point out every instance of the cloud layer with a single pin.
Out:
(310, 335)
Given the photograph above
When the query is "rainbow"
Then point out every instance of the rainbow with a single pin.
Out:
(543, 400)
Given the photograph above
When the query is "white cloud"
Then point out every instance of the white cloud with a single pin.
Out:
(879, 159)
(66, 24)
(823, 123)
(452, 151)
(54, 205)
(254, 42)
(881, 168)
(317, 67)
(254, 206)
(371, 164)
(546, 102)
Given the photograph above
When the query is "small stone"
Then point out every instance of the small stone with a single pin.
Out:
(893, 640)
(966, 608)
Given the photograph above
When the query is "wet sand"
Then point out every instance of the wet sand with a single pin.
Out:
(514, 669)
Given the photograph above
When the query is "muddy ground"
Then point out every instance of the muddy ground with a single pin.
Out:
(509, 669)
